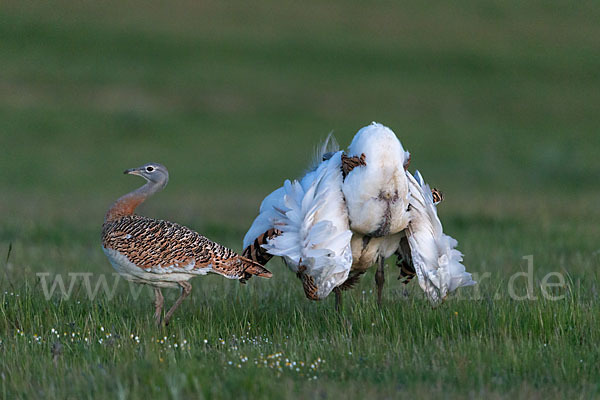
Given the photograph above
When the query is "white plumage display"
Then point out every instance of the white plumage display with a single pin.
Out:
(315, 235)
(437, 263)
(354, 210)
(377, 193)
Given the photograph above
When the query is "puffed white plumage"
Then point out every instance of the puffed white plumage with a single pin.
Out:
(311, 217)
(377, 194)
(435, 258)
(332, 225)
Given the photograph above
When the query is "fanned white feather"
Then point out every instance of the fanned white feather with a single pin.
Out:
(437, 262)
(266, 216)
(315, 228)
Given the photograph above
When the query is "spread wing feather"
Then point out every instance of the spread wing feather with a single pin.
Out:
(436, 261)
(315, 234)
(267, 214)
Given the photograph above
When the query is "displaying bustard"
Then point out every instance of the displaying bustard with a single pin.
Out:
(164, 254)
(354, 210)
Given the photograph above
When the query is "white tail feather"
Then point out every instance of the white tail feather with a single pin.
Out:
(329, 147)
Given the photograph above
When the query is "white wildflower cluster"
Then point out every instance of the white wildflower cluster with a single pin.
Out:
(171, 342)
(53, 335)
(101, 336)
(135, 337)
(233, 345)
(281, 364)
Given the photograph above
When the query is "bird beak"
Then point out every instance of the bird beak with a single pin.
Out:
(132, 171)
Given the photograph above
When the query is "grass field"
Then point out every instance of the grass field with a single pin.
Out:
(497, 101)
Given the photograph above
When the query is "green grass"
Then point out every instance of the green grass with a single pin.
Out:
(497, 101)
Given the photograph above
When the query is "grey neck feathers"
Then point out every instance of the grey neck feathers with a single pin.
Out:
(127, 204)
(143, 192)
(148, 189)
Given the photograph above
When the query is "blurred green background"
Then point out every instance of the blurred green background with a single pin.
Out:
(498, 102)
(494, 99)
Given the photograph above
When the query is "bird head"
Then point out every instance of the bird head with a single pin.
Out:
(152, 172)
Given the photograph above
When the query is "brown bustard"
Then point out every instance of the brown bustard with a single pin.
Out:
(164, 254)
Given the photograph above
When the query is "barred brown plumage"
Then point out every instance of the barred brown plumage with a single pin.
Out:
(164, 247)
(404, 262)
(162, 253)
(308, 283)
(349, 163)
(437, 195)
(255, 251)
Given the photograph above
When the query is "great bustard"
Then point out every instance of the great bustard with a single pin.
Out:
(354, 210)
(164, 254)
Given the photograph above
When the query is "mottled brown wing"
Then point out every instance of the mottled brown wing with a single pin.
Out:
(349, 163)
(161, 246)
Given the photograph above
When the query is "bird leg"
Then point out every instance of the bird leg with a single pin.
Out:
(159, 301)
(338, 299)
(380, 279)
(186, 289)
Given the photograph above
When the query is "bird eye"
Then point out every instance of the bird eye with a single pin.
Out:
(149, 169)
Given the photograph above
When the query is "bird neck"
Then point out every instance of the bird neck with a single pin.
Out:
(127, 204)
